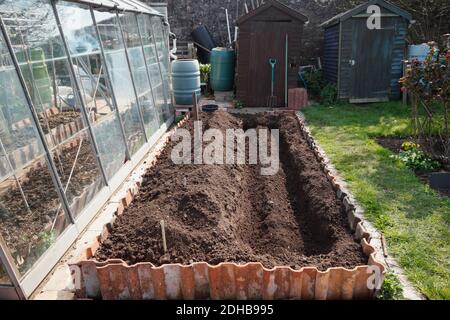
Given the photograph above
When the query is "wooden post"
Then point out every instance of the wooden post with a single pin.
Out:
(195, 112)
(405, 91)
(384, 246)
(163, 233)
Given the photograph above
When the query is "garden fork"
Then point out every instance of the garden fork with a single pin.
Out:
(272, 99)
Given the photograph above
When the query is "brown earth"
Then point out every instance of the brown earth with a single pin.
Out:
(231, 213)
(58, 119)
(435, 152)
(393, 144)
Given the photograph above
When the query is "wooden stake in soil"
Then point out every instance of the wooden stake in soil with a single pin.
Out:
(383, 245)
(163, 232)
(195, 107)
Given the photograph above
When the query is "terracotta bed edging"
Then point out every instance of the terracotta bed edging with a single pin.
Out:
(115, 279)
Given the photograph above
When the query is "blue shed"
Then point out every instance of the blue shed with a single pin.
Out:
(366, 63)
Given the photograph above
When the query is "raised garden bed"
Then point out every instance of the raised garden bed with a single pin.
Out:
(58, 119)
(232, 233)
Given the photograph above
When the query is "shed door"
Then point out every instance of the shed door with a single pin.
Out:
(371, 63)
(268, 40)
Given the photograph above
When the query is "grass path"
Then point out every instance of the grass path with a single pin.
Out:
(413, 217)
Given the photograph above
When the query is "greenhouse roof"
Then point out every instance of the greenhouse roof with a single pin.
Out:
(125, 5)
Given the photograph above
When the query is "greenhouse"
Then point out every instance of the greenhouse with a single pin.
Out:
(84, 95)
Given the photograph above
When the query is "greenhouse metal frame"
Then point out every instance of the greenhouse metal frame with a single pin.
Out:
(84, 95)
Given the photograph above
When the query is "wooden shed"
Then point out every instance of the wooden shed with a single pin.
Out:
(366, 64)
(271, 31)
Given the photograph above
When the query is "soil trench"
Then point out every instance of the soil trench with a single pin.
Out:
(231, 213)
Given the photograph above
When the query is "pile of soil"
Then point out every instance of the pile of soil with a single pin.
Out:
(28, 233)
(231, 213)
(58, 119)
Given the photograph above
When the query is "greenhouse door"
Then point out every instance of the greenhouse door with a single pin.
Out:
(370, 63)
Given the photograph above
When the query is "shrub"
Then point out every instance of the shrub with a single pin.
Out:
(328, 95)
(179, 118)
(417, 160)
(428, 84)
(314, 82)
(238, 104)
(205, 70)
(391, 289)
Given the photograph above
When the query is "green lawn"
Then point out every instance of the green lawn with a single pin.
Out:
(414, 219)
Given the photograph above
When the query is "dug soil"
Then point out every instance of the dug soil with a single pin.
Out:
(62, 118)
(231, 213)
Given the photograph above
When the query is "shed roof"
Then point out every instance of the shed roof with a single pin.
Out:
(362, 8)
(273, 3)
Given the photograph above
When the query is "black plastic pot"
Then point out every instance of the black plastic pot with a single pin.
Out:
(202, 36)
(210, 108)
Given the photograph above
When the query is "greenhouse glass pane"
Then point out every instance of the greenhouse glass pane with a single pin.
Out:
(120, 76)
(40, 52)
(31, 215)
(17, 131)
(5, 168)
(139, 72)
(18, 134)
(4, 279)
(79, 30)
(78, 171)
(38, 45)
(152, 64)
(163, 56)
